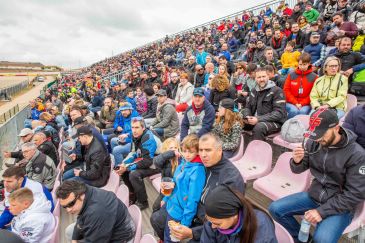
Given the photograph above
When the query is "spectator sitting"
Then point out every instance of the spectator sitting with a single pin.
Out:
(33, 221)
(289, 59)
(39, 167)
(166, 123)
(298, 86)
(56, 102)
(223, 60)
(224, 52)
(136, 165)
(96, 101)
(329, 204)
(270, 59)
(199, 117)
(297, 36)
(58, 117)
(221, 89)
(45, 146)
(316, 50)
(354, 121)
(228, 126)
(101, 216)
(201, 55)
(184, 93)
(259, 55)
(96, 168)
(86, 112)
(150, 113)
(25, 135)
(167, 162)
(231, 215)
(310, 13)
(141, 101)
(14, 178)
(265, 109)
(330, 90)
(314, 27)
(342, 28)
(107, 114)
(199, 76)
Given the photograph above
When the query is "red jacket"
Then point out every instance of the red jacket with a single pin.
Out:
(298, 79)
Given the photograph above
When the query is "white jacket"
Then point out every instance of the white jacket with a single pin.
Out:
(184, 94)
(35, 224)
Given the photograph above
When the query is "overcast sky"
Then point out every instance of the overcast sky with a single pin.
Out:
(70, 33)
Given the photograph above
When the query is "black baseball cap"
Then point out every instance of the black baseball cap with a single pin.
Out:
(228, 104)
(85, 130)
(161, 92)
(79, 120)
(320, 121)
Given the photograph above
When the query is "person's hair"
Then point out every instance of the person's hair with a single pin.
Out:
(217, 140)
(241, 64)
(79, 103)
(345, 38)
(16, 171)
(268, 49)
(229, 119)
(157, 84)
(220, 82)
(76, 108)
(260, 69)
(139, 88)
(165, 147)
(46, 116)
(305, 57)
(190, 142)
(149, 91)
(128, 90)
(41, 134)
(140, 121)
(56, 110)
(67, 187)
(184, 75)
(21, 195)
(337, 14)
(270, 68)
(251, 67)
(331, 58)
(291, 43)
(29, 145)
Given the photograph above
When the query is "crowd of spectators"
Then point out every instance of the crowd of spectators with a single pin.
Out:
(180, 109)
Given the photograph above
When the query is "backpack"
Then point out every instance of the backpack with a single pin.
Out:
(358, 83)
(292, 131)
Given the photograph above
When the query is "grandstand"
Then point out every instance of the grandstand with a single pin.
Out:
(219, 49)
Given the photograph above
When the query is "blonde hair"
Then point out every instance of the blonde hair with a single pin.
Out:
(46, 116)
(331, 58)
(220, 82)
(165, 147)
(21, 195)
(190, 142)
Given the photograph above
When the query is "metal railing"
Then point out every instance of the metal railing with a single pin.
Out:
(9, 114)
(14, 89)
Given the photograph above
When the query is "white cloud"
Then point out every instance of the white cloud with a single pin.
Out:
(73, 32)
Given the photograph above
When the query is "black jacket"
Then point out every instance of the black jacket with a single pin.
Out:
(223, 173)
(49, 149)
(151, 108)
(103, 218)
(339, 175)
(355, 121)
(299, 40)
(163, 162)
(267, 105)
(349, 59)
(97, 163)
(216, 96)
(199, 80)
(171, 90)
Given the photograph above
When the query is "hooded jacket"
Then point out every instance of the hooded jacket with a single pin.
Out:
(125, 123)
(189, 178)
(36, 223)
(151, 107)
(339, 176)
(299, 80)
(103, 218)
(355, 121)
(166, 118)
(268, 105)
(330, 90)
(48, 148)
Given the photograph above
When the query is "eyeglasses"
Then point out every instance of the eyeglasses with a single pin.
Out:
(72, 203)
(332, 66)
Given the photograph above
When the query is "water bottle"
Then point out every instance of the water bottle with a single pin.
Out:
(304, 231)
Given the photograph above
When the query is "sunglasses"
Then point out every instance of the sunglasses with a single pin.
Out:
(72, 203)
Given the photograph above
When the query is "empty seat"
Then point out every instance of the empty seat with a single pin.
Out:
(113, 182)
(56, 233)
(157, 183)
(136, 214)
(57, 208)
(155, 176)
(351, 102)
(55, 186)
(282, 235)
(123, 194)
(282, 181)
(147, 238)
(257, 160)
(304, 119)
(239, 153)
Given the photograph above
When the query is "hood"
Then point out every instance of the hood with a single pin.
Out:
(167, 102)
(300, 72)
(218, 167)
(347, 137)
(39, 205)
(269, 85)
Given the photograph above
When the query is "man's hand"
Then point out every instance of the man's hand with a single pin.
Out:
(252, 120)
(323, 107)
(77, 172)
(298, 154)
(122, 169)
(122, 137)
(182, 232)
(73, 157)
(119, 129)
(162, 203)
(299, 106)
(7, 154)
(313, 216)
(348, 72)
(341, 32)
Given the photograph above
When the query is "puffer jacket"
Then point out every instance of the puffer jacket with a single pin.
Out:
(189, 179)
(97, 164)
(125, 123)
(299, 80)
(268, 105)
(232, 139)
(330, 90)
(339, 177)
(36, 223)
(166, 118)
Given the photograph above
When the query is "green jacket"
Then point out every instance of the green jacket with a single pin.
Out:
(332, 91)
(311, 15)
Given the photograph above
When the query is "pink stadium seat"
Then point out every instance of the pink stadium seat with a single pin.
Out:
(282, 235)
(147, 238)
(113, 182)
(257, 160)
(155, 176)
(282, 181)
(358, 220)
(56, 233)
(55, 186)
(304, 119)
(57, 209)
(239, 153)
(351, 102)
(136, 214)
(157, 183)
(123, 194)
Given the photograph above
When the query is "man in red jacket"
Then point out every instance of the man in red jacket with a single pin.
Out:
(298, 86)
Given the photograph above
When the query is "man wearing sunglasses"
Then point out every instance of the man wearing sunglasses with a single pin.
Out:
(101, 216)
(337, 164)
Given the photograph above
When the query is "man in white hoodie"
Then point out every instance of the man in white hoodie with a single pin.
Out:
(33, 222)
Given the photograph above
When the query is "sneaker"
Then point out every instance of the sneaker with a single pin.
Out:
(142, 206)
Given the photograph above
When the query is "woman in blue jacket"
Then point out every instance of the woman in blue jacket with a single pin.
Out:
(232, 218)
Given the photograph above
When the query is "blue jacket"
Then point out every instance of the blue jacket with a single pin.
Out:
(132, 101)
(97, 101)
(314, 51)
(125, 123)
(265, 232)
(189, 181)
(35, 114)
(200, 58)
(355, 121)
(226, 54)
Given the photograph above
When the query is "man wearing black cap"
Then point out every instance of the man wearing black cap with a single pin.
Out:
(316, 49)
(166, 123)
(315, 28)
(337, 164)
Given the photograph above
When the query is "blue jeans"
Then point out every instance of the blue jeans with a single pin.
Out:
(159, 131)
(68, 175)
(120, 151)
(329, 230)
(293, 110)
(340, 113)
(167, 238)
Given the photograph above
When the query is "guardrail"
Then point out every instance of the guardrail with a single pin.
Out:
(9, 91)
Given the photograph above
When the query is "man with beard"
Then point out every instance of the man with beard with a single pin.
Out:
(342, 28)
(297, 12)
(298, 36)
(259, 52)
(173, 85)
(337, 164)
(278, 42)
(199, 76)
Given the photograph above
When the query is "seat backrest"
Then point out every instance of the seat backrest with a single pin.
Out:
(282, 235)
(55, 186)
(57, 209)
(239, 153)
(113, 182)
(123, 194)
(56, 232)
(351, 102)
(358, 219)
(259, 151)
(147, 238)
(136, 214)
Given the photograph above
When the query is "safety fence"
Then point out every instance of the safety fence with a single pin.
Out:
(6, 93)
